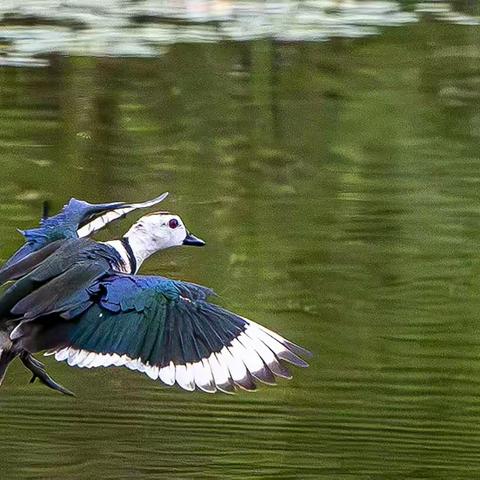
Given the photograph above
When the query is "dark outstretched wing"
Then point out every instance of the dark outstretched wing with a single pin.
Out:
(77, 219)
(169, 331)
(26, 264)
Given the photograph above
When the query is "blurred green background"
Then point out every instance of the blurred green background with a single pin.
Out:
(328, 152)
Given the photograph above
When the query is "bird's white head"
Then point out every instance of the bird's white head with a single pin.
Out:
(158, 231)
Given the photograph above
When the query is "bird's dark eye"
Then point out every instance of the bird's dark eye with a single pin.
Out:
(173, 223)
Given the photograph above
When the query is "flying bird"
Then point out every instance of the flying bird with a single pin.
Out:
(84, 303)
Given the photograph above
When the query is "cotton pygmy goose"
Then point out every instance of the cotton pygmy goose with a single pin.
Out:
(83, 302)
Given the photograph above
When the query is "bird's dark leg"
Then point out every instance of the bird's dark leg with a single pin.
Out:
(38, 370)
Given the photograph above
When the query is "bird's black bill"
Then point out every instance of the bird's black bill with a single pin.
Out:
(193, 241)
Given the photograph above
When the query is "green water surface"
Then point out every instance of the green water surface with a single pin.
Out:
(337, 186)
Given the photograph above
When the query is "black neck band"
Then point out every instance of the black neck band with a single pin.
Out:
(131, 256)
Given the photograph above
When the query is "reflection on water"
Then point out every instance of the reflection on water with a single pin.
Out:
(337, 187)
(33, 28)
